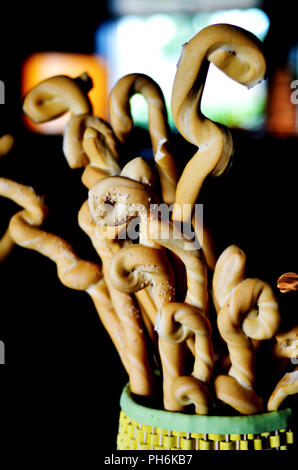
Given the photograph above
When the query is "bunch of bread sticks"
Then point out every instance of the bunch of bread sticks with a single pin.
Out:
(134, 285)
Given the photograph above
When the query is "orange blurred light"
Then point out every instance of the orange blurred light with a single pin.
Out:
(40, 66)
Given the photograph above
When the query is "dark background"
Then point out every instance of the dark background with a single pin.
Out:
(62, 377)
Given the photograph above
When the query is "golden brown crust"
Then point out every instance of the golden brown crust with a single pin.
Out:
(55, 96)
(122, 124)
(288, 385)
(242, 399)
(234, 52)
(250, 312)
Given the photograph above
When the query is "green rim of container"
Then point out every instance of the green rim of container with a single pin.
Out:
(251, 424)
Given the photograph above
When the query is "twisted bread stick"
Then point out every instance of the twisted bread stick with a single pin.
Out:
(288, 385)
(207, 243)
(250, 312)
(139, 372)
(189, 390)
(242, 399)
(132, 269)
(122, 124)
(90, 140)
(247, 309)
(56, 95)
(176, 322)
(235, 52)
(72, 271)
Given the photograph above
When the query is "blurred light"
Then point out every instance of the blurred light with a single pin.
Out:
(254, 20)
(127, 7)
(40, 66)
(152, 44)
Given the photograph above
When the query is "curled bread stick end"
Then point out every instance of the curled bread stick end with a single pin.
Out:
(237, 53)
(242, 399)
(122, 123)
(176, 322)
(57, 95)
(6, 144)
(287, 386)
(288, 282)
(189, 390)
(136, 266)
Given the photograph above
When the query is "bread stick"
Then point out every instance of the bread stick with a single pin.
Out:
(140, 375)
(6, 242)
(243, 399)
(176, 322)
(132, 269)
(288, 385)
(247, 310)
(55, 96)
(122, 124)
(236, 53)
(89, 140)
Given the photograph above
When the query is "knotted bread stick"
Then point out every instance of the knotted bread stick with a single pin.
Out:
(175, 323)
(236, 53)
(121, 120)
(247, 310)
(56, 96)
(250, 312)
(178, 321)
(132, 269)
(89, 142)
